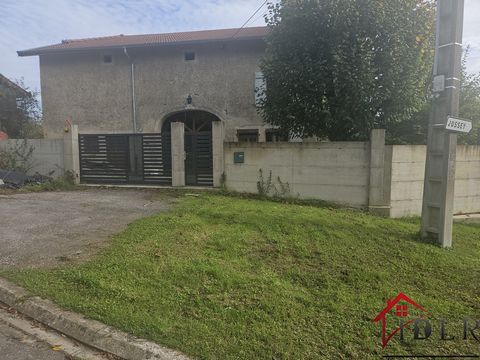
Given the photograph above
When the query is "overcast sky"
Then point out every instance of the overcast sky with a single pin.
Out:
(26, 24)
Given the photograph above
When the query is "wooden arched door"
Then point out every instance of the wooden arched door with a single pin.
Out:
(198, 145)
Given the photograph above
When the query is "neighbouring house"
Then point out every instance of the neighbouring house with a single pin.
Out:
(11, 99)
(141, 83)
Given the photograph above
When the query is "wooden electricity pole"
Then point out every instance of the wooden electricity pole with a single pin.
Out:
(438, 191)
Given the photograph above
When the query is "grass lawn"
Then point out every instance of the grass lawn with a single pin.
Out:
(228, 278)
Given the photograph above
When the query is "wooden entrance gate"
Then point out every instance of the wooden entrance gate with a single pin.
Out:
(198, 159)
(125, 158)
(198, 145)
(198, 151)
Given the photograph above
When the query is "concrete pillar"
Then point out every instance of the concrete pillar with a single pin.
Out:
(439, 183)
(377, 200)
(218, 137)
(71, 154)
(178, 154)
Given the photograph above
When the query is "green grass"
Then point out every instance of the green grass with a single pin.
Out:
(59, 184)
(229, 278)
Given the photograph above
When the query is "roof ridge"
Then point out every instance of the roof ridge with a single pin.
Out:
(157, 34)
(121, 40)
(68, 41)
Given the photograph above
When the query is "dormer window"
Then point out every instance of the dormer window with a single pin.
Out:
(189, 56)
(108, 59)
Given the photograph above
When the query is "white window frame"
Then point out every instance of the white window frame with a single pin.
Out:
(260, 88)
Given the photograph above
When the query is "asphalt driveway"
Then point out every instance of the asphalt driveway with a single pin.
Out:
(53, 228)
(16, 345)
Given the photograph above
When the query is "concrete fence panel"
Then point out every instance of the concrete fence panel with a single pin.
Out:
(332, 171)
(47, 156)
(386, 179)
(408, 172)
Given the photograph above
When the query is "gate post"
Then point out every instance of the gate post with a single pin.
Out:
(178, 154)
(217, 152)
(71, 155)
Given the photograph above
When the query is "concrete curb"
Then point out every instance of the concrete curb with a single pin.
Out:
(89, 332)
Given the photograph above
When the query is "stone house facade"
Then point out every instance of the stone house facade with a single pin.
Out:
(135, 83)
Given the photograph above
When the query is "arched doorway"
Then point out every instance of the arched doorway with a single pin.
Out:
(198, 145)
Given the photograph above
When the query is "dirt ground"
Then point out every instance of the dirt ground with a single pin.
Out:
(47, 229)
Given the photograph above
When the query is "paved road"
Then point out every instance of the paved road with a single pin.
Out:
(23, 339)
(15, 345)
(51, 228)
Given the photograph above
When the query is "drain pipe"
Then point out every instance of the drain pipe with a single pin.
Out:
(132, 75)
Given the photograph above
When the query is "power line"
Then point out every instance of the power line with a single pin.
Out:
(258, 17)
(250, 18)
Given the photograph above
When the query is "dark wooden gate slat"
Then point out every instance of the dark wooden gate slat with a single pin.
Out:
(106, 158)
(199, 159)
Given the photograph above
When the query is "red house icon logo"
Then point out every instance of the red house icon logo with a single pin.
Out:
(398, 309)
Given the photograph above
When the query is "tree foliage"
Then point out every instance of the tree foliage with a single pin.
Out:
(338, 68)
(415, 129)
(470, 103)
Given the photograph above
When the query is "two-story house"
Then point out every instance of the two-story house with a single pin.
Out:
(136, 83)
(141, 84)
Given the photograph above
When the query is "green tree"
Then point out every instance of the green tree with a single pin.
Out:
(470, 103)
(414, 130)
(29, 114)
(338, 68)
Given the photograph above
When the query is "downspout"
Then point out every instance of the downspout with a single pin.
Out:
(132, 75)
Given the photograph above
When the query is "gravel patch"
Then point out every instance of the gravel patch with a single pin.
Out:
(48, 229)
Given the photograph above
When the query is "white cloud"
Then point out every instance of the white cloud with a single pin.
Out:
(26, 24)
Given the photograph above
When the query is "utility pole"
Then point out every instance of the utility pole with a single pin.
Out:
(438, 190)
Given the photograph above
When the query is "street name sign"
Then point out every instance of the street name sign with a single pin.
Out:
(458, 125)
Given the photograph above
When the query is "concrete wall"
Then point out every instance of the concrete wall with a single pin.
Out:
(467, 180)
(47, 157)
(351, 173)
(407, 165)
(97, 96)
(332, 171)
(408, 171)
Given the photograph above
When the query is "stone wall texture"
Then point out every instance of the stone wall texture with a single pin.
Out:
(97, 96)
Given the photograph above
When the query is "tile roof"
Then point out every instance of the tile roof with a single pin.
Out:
(150, 40)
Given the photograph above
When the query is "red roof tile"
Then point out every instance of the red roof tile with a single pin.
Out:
(150, 40)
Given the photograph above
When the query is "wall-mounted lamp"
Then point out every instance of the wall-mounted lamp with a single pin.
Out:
(189, 99)
(68, 124)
